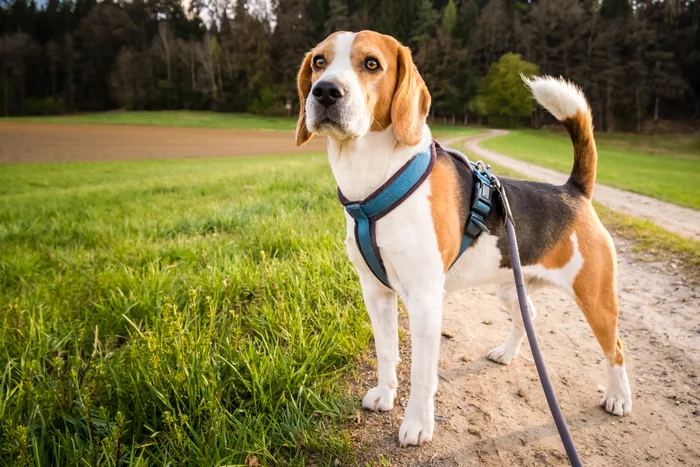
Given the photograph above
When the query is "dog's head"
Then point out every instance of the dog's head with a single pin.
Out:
(354, 83)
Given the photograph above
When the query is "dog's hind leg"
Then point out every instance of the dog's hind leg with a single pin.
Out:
(506, 352)
(382, 307)
(596, 294)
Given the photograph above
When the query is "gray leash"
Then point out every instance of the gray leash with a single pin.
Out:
(558, 416)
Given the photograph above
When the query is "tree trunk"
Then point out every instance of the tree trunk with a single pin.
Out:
(163, 33)
(5, 98)
(192, 66)
(656, 108)
(609, 117)
(637, 102)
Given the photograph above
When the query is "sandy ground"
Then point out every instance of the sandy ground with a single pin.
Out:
(495, 415)
(683, 221)
(37, 142)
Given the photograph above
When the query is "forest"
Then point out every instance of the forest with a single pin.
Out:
(638, 61)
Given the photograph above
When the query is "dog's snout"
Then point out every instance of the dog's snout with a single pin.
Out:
(327, 93)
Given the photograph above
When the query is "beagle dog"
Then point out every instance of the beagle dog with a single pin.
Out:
(363, 93)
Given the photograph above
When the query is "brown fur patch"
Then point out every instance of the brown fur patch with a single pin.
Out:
(580, 128)
(560, 255)
(444, 206)
(411, 101)
(595, 285)
(379, 86)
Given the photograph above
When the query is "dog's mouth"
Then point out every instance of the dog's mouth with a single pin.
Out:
(336, 121)
(328, 122)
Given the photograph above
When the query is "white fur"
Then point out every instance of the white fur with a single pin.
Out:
(617, 399)
(564, 277)
(410, 254)
(562, 98)
(381, 305)
(506, 352)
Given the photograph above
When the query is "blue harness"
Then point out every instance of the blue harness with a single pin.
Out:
(399, 187)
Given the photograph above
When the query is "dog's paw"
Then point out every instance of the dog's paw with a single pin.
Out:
(616, 404)
(379, 399)
(417, 427)
(617, 398)
(504, 353)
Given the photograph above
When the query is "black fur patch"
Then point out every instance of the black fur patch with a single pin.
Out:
(543, 213)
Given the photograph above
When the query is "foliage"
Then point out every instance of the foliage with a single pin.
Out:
(183, 312)
(635, 61)
(501, 93)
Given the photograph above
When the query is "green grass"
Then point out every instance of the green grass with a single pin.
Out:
(650, 239)
(184, 118)
(175, 312)
(173, 118)
(442, 131)
(659, 167)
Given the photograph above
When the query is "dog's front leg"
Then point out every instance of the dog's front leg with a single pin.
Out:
(382, 307)
(425, 315)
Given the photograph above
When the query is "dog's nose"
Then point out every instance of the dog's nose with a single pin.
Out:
(327, 93)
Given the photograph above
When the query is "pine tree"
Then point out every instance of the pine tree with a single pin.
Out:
(338, 19)
(449, 17)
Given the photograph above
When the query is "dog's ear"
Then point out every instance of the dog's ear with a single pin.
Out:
(411, 101)
(304, 86)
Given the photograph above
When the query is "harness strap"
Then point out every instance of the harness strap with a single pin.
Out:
(380, 203)
(482, 200)
(399, 187)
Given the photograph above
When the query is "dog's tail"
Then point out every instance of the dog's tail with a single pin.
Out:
(567, 103)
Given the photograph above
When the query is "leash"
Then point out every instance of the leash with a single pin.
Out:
(557, 414)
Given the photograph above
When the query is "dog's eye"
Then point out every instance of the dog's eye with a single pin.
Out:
(319, 62)
(371, 64)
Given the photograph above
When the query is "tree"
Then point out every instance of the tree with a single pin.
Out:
(338, 19)
(502, 95)
(449, 17)
(636, 60)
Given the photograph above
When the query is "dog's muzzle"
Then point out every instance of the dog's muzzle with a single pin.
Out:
(329, 110)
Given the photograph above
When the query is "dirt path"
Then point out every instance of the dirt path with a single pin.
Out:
(495, 415)
(680, 220)
(37, 142)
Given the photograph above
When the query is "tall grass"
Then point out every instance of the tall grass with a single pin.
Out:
(174, 313)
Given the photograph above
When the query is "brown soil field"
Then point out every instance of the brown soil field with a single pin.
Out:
(37, 142)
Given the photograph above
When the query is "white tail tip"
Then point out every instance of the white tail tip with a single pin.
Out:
(562, 98)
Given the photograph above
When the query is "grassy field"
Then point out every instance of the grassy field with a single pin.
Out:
(174, 118)
(663, 167)
(175, 312)
(183, 118)
(443, 132)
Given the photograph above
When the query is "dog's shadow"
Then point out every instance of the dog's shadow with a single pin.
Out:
(516, 440)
